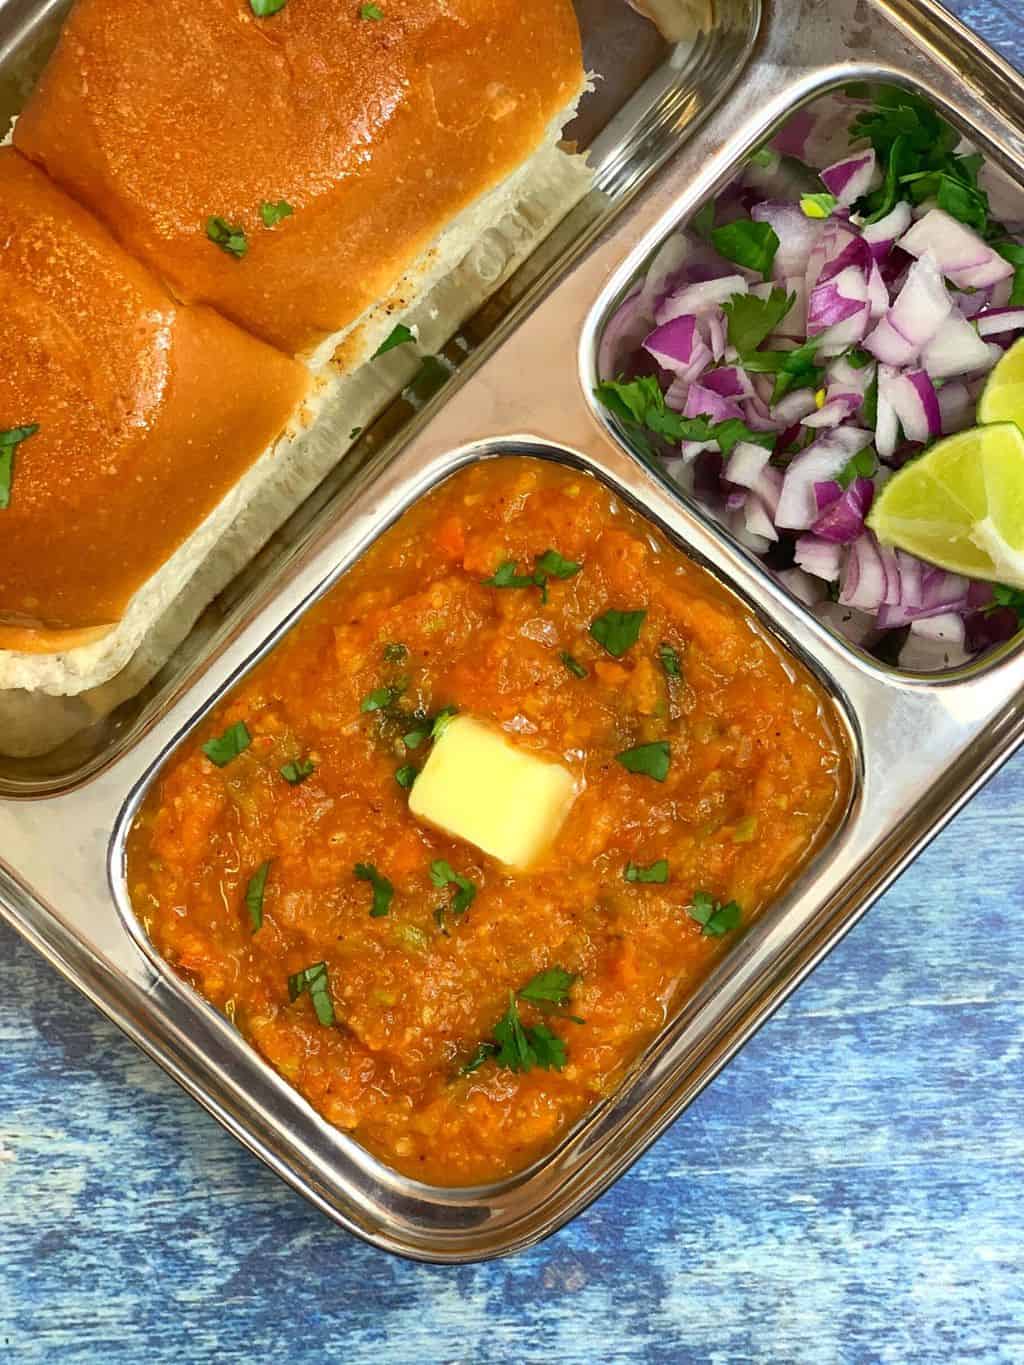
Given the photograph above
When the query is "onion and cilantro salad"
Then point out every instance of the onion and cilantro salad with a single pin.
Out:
(810, 333)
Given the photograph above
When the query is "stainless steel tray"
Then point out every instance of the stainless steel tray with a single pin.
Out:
(922, 745)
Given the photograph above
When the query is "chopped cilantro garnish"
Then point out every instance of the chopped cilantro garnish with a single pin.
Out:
(406, 775)
(254, 894)
(751, 245)
(298, 770)
(400, 335)
(10, 439)
(617, 631)
(442, 874)
(548, 565)
(858, 358)
(752, 319)
(264, 8)
(714, 918)
(573, 665)
(794, 369)
(1003, 596)
(234, 741)
(383, 891)
(861, 465)
(314, 980)
(441, 722)
(650, 760)
(1014, 253)
(669, 659)
(818, 205)
(869, 407)
(272, 214)
(395, 653)
(703, 221)
(228, 237)
(483, 1052)
(381, 698)
(354, 433)
(641, 403)
(371, 12)
(653, 872)
(551, 987)
(521, 1049)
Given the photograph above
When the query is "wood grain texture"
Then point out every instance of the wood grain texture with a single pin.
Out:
(850, 1189)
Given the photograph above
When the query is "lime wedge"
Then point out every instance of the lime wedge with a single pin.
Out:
(1003, 397)
(961, 505)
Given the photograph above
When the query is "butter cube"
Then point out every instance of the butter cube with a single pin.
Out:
(477, 786)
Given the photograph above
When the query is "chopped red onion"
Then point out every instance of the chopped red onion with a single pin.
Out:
(995, 321)
(920, 309)
(956, 348)
(850, 178)
(757, 518)
(729, 381)
(864, 576)
(700, 298)
(987, 628)
(836, 409)
(798, 235)
(822, 558)
(794, 407)
(769, 488)
(746, 464)
(881, 236)
(823, 460)
(702, 402)
(957, 250)
(843, 519)
(805, 588)
(912, 398)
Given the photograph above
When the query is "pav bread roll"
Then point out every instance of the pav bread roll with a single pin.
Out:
(296, 170)
(126, 417)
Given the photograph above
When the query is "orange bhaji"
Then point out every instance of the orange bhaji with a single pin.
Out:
(454, 1015)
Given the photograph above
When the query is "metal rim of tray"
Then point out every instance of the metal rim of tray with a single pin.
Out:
(922, 744)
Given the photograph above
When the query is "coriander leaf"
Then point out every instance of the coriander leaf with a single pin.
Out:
(10, 439)
(264, 8)
(617, 631)
(297, 771)
(869, 407)
(234, 741)
(412, 739)
(1003, 596)
(857, 358)
(547, 1047)
(730, 432)
(406, 775)
(314, 980)
(551, 986)
(555, 565)
(751, 245)
(631, 401)
(669, 659)
(763, 157)
(395, 653)
(573, 665)
(1014, 253)
(752, 319)
(818, 205)
(642, 403)
(703, 221)
(380, 698)
(442, 874)
(272, 214)
(354, 433)
(254, 894)
(521, 1049)
(228, 237)
(505, 576)
(956, 197)
(861, 465)
(383, 891)
(714, 918)
(483, 1053)
(370, 12)
(400, 336)
(650, 760)
(653, 872)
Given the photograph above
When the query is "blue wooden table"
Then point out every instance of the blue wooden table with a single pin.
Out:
(851, 1189)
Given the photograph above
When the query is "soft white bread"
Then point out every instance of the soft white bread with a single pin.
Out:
(45, 698)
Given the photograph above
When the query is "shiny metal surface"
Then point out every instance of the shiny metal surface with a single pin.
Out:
(922, 744)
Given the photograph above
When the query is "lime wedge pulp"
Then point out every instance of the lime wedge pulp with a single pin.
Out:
(1003, 397)
(961, 505)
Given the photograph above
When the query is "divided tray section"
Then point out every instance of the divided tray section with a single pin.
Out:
(652, 90)
(815, 129)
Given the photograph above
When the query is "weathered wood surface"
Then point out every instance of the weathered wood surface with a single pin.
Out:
(851, 1189)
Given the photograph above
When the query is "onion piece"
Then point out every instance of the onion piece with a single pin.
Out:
(882, 236)
(794, 407)
(920, 309)
(850, 178)
(757, 518)
(702, 402)
(803, 586)
(700, 298)
(746, 464)
(864, 578)
(836, 409)
(956, 407)
(729, 381)
(957, 250)
(912, 397)
(823, 460)
(842, 520)
(677, 346)
(956, 348)
(822, 558)
(994, 321)
(798, 236)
